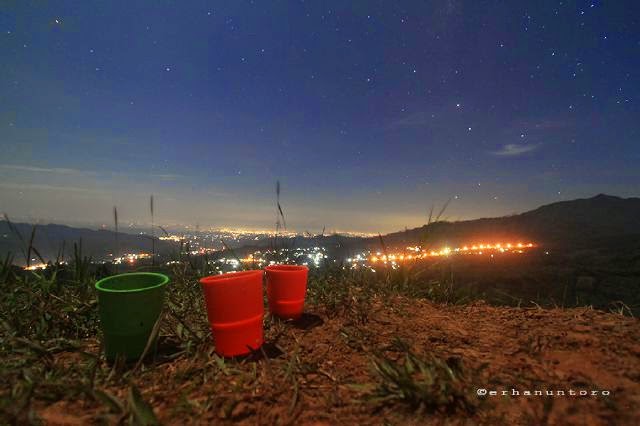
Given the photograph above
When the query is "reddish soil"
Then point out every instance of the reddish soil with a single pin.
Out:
(312, 381)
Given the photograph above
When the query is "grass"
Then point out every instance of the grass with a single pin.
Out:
(424, 383)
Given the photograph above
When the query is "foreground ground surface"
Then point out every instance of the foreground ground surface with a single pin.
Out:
(322, 371)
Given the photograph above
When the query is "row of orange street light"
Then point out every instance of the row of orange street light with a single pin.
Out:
(419, 253)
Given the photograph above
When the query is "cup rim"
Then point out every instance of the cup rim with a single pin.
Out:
(286, 268)
(99, 284)
(228, 276)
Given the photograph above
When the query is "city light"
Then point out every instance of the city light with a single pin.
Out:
(131, 258)
(472, 249)
(36, 267)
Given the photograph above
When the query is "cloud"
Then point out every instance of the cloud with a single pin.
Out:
(76, 172)
(39, 187)
(529, 125)
(416, 119)
(166, 177)
(57, 170)
(513, 150)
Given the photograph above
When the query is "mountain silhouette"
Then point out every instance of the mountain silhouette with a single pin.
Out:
(602, 219)
(566, 223)
(50, 240)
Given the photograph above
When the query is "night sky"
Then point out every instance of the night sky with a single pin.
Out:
(367, 112)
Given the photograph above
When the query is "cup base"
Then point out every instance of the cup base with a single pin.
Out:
(130, 347)
(287, 309)
(239, 338)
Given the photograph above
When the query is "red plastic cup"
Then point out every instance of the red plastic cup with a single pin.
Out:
(235, 309)
(286, 289)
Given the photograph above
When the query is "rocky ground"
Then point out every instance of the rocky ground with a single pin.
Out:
(403, 361)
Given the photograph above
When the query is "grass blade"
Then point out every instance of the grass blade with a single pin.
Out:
(150, 341)
(115, 221)
(153, 235)
(141, 410)
(17, 233)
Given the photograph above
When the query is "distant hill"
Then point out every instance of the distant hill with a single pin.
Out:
(571, 224)
(567, 223)
(49, 240)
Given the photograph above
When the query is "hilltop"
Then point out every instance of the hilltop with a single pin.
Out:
(341, 370)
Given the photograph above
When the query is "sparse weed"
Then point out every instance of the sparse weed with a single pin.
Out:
(426, 383)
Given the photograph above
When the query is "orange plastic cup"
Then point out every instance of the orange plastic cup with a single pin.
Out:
(286, 290)
(235, 309)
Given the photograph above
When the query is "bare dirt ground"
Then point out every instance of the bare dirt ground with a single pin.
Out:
(324, 373)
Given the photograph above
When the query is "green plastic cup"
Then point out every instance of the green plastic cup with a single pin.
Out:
(129, 306)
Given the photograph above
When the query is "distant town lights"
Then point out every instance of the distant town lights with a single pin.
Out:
(477, 249)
